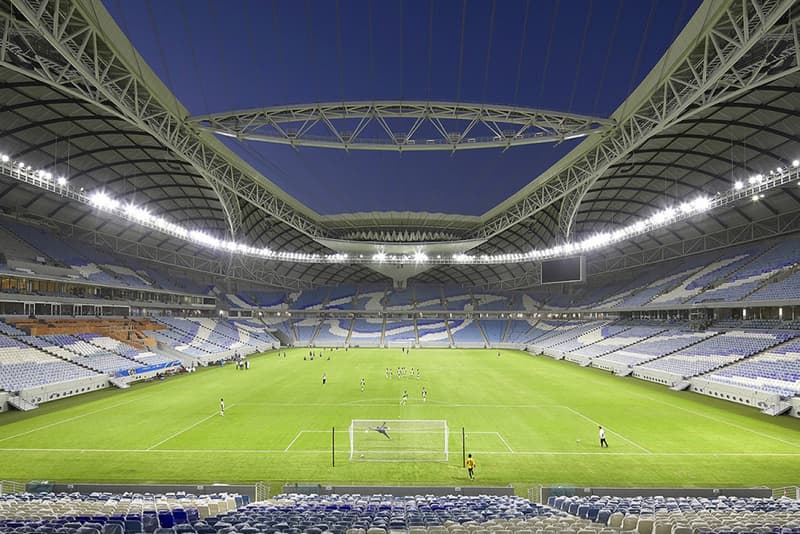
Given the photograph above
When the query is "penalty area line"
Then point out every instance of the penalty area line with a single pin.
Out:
(188, 428)
(620, 436)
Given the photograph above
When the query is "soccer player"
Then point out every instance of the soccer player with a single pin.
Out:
(404, 399)
(363, 384)
(324, 378)
(470, 467)
(383, 429)
(417, 373)
(222, 407)
(603, 442)
(424, 394)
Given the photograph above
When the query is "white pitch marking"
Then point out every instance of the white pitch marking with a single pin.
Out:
(178, 433)
(734, 425)
(499, 435)
(327, 451)
(50, 425)
(620, 436)
(289, 446)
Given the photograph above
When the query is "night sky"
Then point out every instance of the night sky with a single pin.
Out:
(581, 56)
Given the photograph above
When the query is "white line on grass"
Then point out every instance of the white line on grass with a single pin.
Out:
(734, 425)
(499, 435)
(507, 453)
(620, 436)
(67, 420)
(289, 446)
(179, 432)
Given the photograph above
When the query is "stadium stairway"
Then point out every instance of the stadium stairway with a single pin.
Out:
(316, 333)
(483, 333)
(779, 408)
(21, 404)
(449, 334)
(349, 333)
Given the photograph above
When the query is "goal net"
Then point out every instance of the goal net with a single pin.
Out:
(404, 440)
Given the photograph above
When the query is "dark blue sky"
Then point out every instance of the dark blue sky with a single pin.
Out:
(583, 56)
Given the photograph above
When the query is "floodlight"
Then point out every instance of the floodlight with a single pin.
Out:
(755, 198)
(738, 185)
(795, 163)
(5, 158)
(379, 257)
(62, 181)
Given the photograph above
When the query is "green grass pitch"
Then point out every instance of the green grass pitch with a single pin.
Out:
(528, 420)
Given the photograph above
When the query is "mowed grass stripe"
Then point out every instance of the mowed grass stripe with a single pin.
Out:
(543, 410)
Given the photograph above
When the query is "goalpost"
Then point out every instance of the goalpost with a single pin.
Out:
(404, 440)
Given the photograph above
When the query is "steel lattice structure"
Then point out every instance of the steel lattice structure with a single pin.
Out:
(402, 125)
(732, 74)
(743, 45)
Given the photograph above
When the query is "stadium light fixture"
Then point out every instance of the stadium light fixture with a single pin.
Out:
(754, 188)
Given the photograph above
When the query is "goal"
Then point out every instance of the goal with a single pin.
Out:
(404, 440)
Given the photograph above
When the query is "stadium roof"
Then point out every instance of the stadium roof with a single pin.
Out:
(78, 100)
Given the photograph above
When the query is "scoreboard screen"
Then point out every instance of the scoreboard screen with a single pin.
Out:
(564, 270)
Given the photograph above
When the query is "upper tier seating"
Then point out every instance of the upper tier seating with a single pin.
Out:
(786, 289)
(312, 299)
(648, 349)
(251, 299)
(753, 274)
(775, 371)
(400, 298)
(492, 302)
(428, 297)
(718, 269)
(717, 351)
(341, 298)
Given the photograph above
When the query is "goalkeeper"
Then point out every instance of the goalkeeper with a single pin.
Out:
(383, 429)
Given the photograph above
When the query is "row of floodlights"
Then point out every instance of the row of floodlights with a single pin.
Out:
(102, 201)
